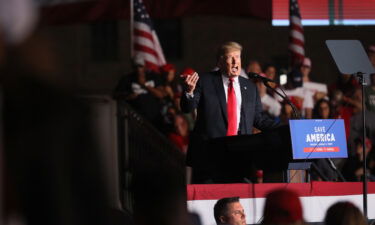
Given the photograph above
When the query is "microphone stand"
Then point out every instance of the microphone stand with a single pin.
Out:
(333, 166)
(362, 81)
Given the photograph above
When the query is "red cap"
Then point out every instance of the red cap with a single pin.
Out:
(259, 174)
(295, 102)
(282, 206)
(188, 71)
(167, 67)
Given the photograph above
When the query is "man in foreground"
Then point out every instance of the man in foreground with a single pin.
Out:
(229, 211)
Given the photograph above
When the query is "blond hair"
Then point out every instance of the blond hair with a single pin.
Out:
(227, 47)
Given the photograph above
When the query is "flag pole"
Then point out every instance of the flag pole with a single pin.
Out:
(131, 28)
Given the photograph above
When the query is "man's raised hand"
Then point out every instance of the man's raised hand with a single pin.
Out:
(190, 82)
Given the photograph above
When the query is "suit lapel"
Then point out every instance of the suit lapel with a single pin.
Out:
(244, 92)
(221, 94)
(245, 99)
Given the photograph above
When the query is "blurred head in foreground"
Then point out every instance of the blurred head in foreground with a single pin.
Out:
(283, 207)
(342, 213)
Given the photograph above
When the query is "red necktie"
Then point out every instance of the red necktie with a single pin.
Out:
(232, 110)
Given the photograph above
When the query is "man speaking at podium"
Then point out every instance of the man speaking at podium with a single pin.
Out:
(226, 105)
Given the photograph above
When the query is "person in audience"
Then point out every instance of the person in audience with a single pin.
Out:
(286, 113)
(269, 104)
(168, 114)
(322, 110)
(143, 90)
(297, 93)
(344, 213)
(354, 101)
(180, 136)
(270, 73)
(353, 167)
(306, 69)
(341, 110)
(209, 94)
(356, 129)
(283, 207)
(229, 211)
(254, 67)
(371, 54)
(319, 89)
(346, 83)
(172, 85)
(370, 94)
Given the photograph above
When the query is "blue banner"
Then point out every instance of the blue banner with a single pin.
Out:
(318, 139)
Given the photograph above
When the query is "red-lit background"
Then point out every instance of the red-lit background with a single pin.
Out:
(318, 9)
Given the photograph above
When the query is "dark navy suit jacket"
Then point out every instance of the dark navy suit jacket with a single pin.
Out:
(211, 122)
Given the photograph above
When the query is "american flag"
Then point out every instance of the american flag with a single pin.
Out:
(296, 38)
(145, 41)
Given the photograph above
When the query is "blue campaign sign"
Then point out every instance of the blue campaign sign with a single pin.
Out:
(318, 139)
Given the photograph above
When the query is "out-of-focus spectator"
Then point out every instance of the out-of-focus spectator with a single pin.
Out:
(283, 207)
(354, 101)
(306, 69)
(353, 170)
(143, 90)
(303, 96)
(370, 94)
(254, 67)
(319, 89)
(371, 54)
(168, 114)
(50, 157)
(356, 128)
(180, 136)
(229, 211)
(342, 94)
(341, 110)
(269, 104)
(172, 84)
(344, 213)
(322, 110)
(270, 73)
(286, 113)
(346, 83)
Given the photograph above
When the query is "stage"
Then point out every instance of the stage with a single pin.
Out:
(316, 197)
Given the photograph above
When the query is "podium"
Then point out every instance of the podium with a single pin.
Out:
(236, 157)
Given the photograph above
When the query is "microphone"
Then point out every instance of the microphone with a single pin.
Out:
(258, 76)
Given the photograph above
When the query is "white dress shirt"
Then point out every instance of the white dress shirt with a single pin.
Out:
(237, 91)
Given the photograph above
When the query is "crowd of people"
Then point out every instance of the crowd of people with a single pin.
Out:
(157, 96)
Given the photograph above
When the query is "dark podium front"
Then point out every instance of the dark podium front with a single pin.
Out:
(237, 157)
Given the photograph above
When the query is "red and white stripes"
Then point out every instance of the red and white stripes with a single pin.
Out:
(296, 36)
(145, 41)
